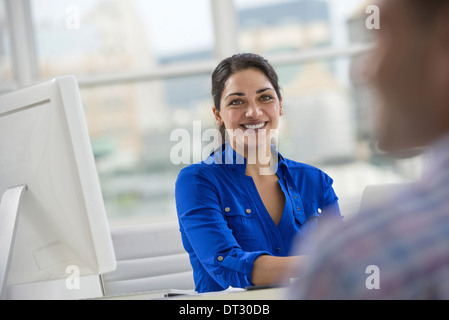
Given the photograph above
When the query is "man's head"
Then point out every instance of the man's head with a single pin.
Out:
(409, 69)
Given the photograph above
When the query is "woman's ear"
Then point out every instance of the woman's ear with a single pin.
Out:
(217, 116)
(281, 110)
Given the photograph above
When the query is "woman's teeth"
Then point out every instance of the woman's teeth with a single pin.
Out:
(255, 126)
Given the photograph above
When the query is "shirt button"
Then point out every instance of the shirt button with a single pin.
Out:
(227, 209)
(295, 197)
(220, 258)
(298, 208)
(319, 210)
(248, 211)
(290, 187)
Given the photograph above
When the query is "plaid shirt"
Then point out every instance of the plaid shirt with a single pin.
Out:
(403, 244)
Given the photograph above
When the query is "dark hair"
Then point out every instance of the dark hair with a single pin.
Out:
(426, 11)
(234, 64)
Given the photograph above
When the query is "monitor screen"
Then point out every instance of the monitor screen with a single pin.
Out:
(61, 220)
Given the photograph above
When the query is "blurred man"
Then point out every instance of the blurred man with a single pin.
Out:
(399, 250)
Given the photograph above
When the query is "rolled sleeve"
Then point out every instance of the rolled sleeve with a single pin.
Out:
(235, 268)
(206, 235)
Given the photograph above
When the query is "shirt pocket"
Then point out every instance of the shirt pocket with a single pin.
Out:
(312, 209)
(313, 212)
(240, 216)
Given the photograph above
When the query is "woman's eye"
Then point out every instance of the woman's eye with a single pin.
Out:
(266, 97)
(235, 102)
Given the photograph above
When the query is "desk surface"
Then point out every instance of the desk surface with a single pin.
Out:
(259, 294)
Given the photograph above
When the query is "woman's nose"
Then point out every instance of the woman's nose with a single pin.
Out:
(253, 111)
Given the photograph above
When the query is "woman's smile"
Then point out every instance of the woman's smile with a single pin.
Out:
(255, 125)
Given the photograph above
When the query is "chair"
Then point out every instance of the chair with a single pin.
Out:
(149, 258)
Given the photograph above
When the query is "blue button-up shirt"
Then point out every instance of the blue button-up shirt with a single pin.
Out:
(225, 226)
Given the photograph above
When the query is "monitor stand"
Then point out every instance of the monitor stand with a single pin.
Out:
(9, 208)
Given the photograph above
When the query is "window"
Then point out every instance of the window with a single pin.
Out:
(89, 37)
(130, 122)
(328, 114)
(285, 26)
(6, 70)
(130, 127)
(144, 70)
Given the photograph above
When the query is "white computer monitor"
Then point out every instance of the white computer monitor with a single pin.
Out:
(61, 221)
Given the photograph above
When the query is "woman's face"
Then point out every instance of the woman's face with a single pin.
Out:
(250, 109)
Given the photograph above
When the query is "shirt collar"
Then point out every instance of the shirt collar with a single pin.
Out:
(225, 154)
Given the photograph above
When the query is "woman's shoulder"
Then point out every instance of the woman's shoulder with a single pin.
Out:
(202, 169)
(300, 166)
(307, 171)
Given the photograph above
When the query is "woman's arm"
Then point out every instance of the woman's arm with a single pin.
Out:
(206, 232)
(270, 270)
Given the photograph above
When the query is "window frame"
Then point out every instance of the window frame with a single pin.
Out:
(25, 62)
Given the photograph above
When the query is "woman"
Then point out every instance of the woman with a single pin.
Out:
(240, 210)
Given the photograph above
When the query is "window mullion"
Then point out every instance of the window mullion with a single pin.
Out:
(225, 19)
(22, 41)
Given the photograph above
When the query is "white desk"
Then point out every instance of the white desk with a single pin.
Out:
(259, 294)
(259, 302)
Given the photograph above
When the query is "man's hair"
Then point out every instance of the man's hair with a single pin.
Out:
(426, 10)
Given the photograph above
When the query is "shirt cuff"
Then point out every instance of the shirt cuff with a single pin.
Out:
(242, 263)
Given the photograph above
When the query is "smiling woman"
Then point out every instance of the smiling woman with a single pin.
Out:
(243, 62)
(237, 220)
